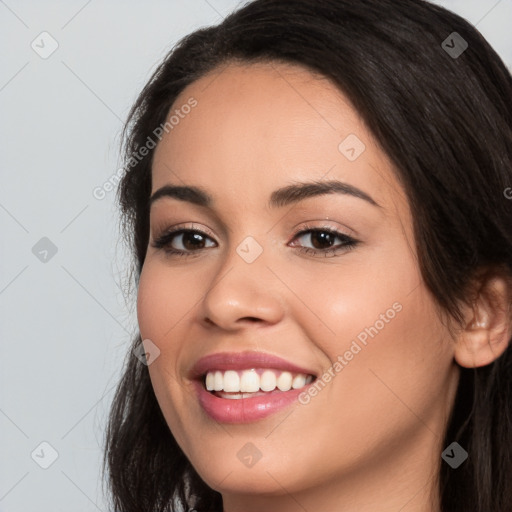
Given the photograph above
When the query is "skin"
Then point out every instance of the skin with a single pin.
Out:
(371, 439)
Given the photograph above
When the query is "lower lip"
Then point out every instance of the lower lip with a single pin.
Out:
(244, 410)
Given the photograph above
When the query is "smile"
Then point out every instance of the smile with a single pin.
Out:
(247, 386)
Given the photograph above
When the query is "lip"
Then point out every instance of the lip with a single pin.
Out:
(244, 410)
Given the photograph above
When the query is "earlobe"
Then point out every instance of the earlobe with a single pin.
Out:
(488, 329)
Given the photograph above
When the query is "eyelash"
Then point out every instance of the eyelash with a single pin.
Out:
(348, 243)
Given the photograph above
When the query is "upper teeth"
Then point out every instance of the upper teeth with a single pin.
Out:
(251, 381)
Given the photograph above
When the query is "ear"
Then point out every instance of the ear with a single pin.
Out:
(488, 322)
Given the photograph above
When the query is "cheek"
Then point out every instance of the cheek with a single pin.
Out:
(156, 318)
(149, 303)
(338, 302)
(378, 321)
(163, 298)
(158, 311)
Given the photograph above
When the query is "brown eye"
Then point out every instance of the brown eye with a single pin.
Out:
(323, 241)
(182, 241)
(192, 240)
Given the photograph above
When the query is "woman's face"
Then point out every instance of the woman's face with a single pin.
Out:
(352, 312)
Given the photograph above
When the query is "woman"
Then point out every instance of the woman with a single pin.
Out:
(315, 196)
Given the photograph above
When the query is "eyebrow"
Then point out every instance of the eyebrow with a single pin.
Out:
(279, 198)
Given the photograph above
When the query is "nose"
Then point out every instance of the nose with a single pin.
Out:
(242, 293)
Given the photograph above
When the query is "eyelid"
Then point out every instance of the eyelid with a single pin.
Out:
(304, 226)
(183, 226)
(164, 238)
(342, 229)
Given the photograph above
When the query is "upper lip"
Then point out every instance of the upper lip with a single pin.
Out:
(243, 361)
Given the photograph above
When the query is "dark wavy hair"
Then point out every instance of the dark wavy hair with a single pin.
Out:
(444, 120)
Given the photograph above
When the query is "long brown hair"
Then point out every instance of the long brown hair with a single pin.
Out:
(445, 120)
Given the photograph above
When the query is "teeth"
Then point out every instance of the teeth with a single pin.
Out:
(284, 381)
(218, 384)
(268, 381)
(252, 381)
(210, 381)
(231, 381)
(298, 381)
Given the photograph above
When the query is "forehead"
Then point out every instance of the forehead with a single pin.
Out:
(261, 126)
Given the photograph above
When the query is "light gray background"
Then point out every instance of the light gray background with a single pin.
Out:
(64, 326)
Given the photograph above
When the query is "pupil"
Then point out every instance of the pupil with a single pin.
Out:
(322, 236)
(196, 239)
